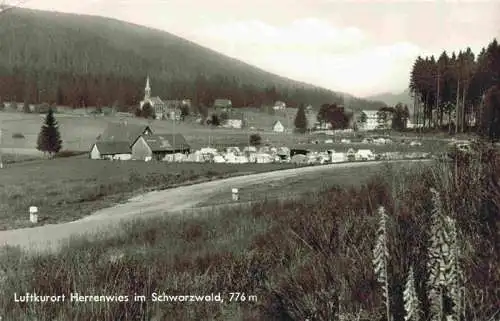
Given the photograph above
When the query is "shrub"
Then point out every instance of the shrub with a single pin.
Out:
(255, 140)
(18, 135)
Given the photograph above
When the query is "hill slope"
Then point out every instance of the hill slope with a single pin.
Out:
(392, 99)
(85, 60)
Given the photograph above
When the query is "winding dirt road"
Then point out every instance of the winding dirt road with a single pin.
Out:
(177, 200)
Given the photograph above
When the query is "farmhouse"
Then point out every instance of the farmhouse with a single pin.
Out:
(111, 150)
(223, 104)
(158, 146)
(278, 127)
(124, 132)
(279, 105)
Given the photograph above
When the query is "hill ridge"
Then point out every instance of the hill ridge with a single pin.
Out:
(80, 59)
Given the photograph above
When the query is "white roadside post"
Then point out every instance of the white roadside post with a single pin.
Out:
(235, 194)
(33, 214)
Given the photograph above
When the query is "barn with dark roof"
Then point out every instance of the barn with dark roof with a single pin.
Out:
(158, 145)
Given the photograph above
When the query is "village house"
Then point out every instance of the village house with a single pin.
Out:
(278, 127)
(157, 146)
(124, 132)
(116, 140)
(279, 105)
(222, 104)
(111, 151)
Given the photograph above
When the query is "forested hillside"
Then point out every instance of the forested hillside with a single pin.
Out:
(82, 61)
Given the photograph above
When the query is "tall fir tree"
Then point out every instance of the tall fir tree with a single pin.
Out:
(49, 139)
(301, 120)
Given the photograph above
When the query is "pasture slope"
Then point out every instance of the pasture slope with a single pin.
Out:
(177, 200)
(79, 132)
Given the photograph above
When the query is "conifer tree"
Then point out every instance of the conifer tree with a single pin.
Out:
(301, 120)
(49, 139)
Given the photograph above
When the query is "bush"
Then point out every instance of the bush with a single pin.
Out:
(18, 135)
(255, 140)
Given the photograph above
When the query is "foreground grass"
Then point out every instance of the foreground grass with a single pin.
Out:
(288, 188)
(310, 257)
(69, 188)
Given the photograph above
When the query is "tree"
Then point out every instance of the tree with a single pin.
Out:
(2, 105)
(322, 116)
(255, 140)
(184, 111)
(215, 120)
(26, 107)
(49, 139)
(333, 114)
(301, 120)
(400, 117)
(490, 120)
(383, 117)
(147, 111)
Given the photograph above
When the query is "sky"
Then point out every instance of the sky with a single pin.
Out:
(358, 47)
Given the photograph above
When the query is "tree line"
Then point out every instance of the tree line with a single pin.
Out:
(455, 86)
(86, 90)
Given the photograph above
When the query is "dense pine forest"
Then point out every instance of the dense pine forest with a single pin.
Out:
(81, 61)
(458, 86)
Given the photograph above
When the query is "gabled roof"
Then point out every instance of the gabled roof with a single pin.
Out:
(121, 132)
(156, 101)
(165, 142)
(370, 113)
(113, 148)
(222, 102)
(277, 122)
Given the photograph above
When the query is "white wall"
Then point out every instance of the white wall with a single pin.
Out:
(94, 153)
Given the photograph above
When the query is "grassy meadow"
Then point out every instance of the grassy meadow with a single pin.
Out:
(79, 132)
(66, 189)
(309, 257)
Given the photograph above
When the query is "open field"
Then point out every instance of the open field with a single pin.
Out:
(79, 133)
(69, 188)
(291, 258)
(10, 158)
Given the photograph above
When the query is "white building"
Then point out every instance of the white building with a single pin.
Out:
(234, 123)
(279, 105)
(368, 120)
(364, 154)
(111, 150)
(278, 127)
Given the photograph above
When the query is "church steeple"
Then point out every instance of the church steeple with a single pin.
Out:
(147, 91)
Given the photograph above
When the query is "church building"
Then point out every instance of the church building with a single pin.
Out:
(164, 109)
(159, 106)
